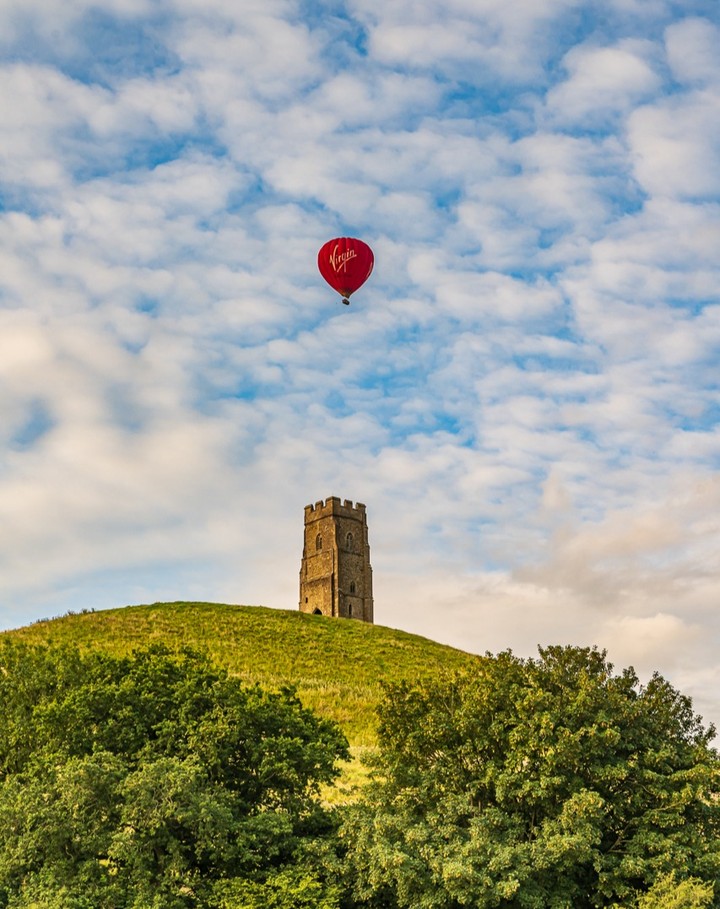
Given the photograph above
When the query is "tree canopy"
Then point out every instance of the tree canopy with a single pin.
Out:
(154, 781)
(553, 782)
(157, 781)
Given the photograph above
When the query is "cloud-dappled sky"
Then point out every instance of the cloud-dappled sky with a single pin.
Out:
(526, 392)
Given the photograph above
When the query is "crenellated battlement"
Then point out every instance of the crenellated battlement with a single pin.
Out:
(333, 505)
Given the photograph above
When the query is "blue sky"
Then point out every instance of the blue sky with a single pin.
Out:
(525, 393)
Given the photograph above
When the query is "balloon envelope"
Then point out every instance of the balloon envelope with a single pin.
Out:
(346, 264)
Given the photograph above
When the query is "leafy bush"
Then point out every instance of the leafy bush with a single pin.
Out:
(142, 782)
(535, 783)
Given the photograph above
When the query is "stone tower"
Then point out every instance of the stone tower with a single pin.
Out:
(335, 574)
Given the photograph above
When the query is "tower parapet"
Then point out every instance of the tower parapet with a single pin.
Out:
(335, 573)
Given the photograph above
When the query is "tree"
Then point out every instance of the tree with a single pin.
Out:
(148, 781)
(535, 783)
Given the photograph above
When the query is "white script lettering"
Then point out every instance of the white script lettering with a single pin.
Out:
(339, 260)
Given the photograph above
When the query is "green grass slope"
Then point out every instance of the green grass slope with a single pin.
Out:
(337, 666)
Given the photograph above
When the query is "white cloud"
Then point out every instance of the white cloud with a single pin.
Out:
(264, 55)
(478, 39)
(603, 80)
(692, 51)
(676, 145)
(524, 392)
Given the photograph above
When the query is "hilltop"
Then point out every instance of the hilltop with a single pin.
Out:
(337, 665)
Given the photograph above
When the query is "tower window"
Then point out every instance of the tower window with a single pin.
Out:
(352, 586)
(318, 542)
(349, 541)
(350, 610)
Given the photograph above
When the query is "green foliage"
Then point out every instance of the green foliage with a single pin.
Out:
(337, 667)
(289, 889)
(159, 781)
(532, 784)
(669, 893)
(141, 782)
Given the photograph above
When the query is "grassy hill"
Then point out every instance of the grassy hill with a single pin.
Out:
(338, 666)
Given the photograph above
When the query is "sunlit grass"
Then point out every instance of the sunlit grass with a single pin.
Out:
(337, 666)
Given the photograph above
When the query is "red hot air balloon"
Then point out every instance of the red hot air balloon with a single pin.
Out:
(346, 264)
